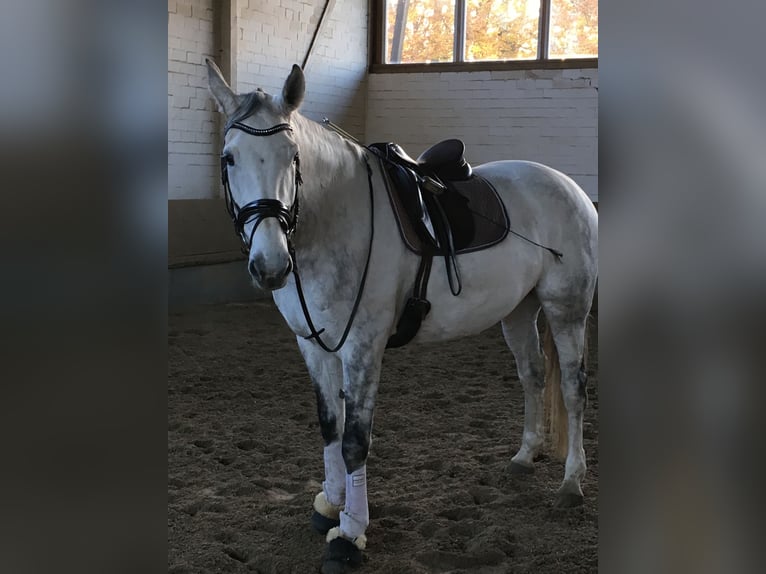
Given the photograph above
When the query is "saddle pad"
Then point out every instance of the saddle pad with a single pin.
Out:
(476, 214)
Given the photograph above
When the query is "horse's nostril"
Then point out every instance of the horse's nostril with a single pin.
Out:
(253, 269)
(267, 276)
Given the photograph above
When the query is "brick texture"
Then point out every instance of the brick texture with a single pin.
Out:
(193, 138)
(548, 116)
(275, 34)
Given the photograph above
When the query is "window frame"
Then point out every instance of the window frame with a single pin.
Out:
(377, 63)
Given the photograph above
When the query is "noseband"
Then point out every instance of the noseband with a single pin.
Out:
(258, 210)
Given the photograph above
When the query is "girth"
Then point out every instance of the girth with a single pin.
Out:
(441, 209)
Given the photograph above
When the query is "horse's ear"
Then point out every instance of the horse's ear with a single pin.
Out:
(223, 94)
(294, 89)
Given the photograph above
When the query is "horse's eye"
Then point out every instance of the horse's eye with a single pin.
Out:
(229, 158)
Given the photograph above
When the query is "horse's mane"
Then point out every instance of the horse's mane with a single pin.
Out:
(337, 154)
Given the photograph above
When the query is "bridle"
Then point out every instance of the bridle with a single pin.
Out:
(260, 209)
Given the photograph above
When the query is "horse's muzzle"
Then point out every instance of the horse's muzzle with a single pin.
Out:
(265, 276)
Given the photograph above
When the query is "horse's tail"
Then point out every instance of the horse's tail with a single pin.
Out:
(555, 410)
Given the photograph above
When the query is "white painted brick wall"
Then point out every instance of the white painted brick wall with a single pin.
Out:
(275, 34)
(272, 36)
(193, 138)
(549, 116)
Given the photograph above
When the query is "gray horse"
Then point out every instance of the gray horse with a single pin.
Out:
(312, 209)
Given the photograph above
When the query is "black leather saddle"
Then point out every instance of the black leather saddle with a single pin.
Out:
(439, 203)
(442, 208)
(444, 159)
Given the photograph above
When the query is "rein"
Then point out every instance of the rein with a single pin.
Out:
(260, 209)
(314, 333)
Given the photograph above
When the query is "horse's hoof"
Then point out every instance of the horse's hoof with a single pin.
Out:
(519, 468)
(341, 555)
(322, 524)
(569, 500)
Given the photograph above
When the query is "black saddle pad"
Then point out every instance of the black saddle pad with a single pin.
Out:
(476, 215)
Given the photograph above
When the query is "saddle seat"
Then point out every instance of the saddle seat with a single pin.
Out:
(444, 159)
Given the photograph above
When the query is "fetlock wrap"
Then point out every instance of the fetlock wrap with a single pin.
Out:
(360, 541)
(323, 507)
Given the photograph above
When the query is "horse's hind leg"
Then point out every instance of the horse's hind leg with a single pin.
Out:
(520, 332)
(326, 372)
(567, 321)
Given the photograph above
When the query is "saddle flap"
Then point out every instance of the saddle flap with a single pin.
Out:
(406, 182)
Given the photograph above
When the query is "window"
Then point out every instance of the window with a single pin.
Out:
(573, 29)
(450, 33)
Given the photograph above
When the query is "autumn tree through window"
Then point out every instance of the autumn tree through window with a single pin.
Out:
(431, 31)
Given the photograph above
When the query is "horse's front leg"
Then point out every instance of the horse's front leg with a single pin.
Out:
(326, 372)
(361, 373)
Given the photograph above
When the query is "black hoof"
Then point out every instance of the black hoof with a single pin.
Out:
(322, 524)
(518, 468)
(341, 555)
(569, 500)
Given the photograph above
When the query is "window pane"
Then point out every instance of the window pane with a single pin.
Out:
(497, 30)
(419, 31)
(574, 29)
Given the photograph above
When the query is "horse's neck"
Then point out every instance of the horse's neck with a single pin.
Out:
(334, 180)
(329, 157)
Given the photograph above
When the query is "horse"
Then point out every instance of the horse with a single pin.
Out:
(311, 209)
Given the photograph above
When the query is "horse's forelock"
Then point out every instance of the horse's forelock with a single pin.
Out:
(249, 105)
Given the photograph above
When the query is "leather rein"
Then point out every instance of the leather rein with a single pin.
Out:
(287, 216)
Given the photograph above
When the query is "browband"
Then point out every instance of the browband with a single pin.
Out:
(259, 132)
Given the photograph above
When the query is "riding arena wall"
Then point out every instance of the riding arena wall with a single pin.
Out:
(549, 116)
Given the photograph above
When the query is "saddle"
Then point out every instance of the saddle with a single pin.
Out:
(442, 209)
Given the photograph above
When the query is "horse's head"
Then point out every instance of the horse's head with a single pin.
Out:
(260, 171)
